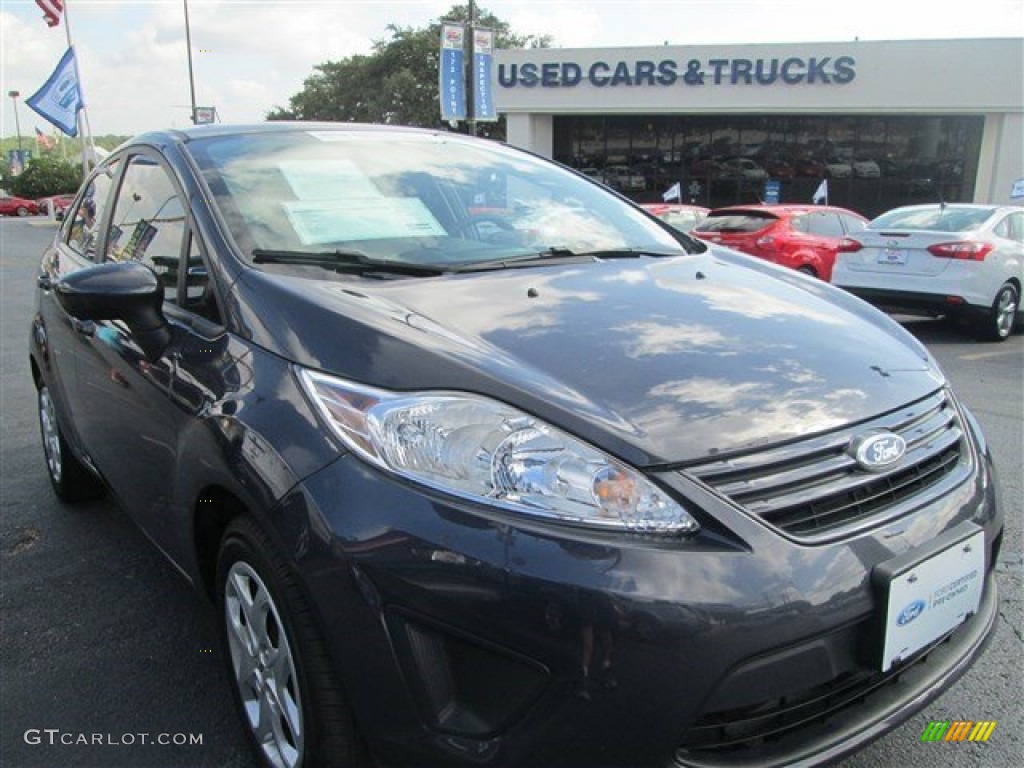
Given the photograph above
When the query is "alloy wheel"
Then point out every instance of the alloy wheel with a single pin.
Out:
(1005, 311)
(51, 435)
(264, 667)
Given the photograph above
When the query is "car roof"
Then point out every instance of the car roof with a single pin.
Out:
(962, 206)
(275, 126)
(664, 207)
(782, 209)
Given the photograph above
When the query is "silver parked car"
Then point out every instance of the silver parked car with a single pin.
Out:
(959, 260)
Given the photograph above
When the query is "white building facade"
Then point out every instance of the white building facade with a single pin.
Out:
(887, 123)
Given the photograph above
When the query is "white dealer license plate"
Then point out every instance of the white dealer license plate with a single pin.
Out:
(892, 256)
(930, 597)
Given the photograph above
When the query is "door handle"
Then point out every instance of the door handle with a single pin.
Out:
(84, 327)
(44, 282)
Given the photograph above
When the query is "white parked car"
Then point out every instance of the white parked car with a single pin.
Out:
(622, 178)
(941, 259)
(742, 168)
(866, 169)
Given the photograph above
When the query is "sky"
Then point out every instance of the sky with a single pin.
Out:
(252, 55)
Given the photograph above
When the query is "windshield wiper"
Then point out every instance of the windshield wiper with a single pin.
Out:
(343, 261)
(554, 253)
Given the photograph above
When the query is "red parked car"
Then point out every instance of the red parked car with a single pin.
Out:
(678, 216)
(60, 204)
(803, 237)
(16, 206)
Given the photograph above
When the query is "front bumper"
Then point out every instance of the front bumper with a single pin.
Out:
(465, 637)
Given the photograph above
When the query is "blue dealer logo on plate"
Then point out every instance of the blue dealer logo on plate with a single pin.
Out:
(911, 612)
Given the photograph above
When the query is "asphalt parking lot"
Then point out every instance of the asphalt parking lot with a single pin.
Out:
(100, 636)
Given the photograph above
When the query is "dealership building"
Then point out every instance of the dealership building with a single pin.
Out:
(886, 123)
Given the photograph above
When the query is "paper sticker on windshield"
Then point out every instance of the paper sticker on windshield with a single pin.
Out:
(374, 218)
(327, 180)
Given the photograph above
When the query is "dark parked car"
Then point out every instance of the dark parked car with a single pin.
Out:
(552, 486)
(802, 237)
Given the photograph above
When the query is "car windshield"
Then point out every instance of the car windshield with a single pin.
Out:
(948, 218)
(411, 198)
(736, 221)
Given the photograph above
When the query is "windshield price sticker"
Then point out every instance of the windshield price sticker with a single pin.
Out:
(932, 598)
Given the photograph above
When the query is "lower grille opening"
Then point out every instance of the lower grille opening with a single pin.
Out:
(735, 730)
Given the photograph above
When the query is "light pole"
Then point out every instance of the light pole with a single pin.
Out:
(191, 76)
(17, 126)
(471, 72)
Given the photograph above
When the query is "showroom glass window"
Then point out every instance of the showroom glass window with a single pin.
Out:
(872, 163)
(83, 227)
(148, 224)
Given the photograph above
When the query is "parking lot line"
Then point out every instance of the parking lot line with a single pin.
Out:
(987, 355)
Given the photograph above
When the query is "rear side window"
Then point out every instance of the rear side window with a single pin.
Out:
(852, 223)
(737, 221)
(825, 225)
(83, 229)
(949, 218)
(1012, 227)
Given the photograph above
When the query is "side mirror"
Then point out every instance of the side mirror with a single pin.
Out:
(126, 291)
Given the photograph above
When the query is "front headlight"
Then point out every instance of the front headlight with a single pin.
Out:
(487, 451)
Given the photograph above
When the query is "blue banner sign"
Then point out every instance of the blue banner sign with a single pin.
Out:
(483, 93)
(795, 70)
(771, 191)
(452, 76)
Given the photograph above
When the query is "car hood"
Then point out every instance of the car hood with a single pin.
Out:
(657, 361)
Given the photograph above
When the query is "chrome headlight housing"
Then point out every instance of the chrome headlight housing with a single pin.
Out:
(486, 451)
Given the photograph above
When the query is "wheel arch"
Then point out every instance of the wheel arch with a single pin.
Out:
(214, 509)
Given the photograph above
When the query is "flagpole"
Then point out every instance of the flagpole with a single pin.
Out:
(82, 118)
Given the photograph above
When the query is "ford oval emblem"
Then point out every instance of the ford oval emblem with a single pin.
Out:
(876, 451)
(911, 612)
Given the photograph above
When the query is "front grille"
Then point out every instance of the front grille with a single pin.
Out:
(815, 488)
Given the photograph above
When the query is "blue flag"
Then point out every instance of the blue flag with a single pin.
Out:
(60, 98)
(452, 77)
(483, 93)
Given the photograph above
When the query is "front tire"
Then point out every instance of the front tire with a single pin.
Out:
(281, 678)
(22, 210)
(71, 480)
(998, 322)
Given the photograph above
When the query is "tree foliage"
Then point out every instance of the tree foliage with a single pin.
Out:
(397, 83)
(44, 175)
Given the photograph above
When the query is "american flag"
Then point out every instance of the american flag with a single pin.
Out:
(43, 140)
(52, 10)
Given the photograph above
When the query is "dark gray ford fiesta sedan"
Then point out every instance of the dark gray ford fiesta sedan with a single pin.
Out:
(484, 466)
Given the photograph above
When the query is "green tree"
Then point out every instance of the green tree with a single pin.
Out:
(396, 83)
(45, 175)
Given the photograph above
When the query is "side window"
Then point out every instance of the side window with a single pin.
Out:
(148, 224)
(1017, 227)
(199, 294)
(799, 224)
(1012, 227)
(83, 227)
(825, 225)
